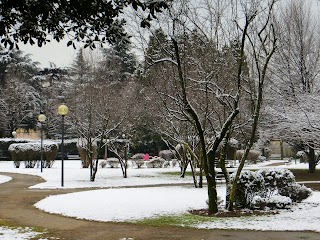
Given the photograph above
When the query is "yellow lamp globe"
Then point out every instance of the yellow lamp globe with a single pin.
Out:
(63, 110)
(42, 118)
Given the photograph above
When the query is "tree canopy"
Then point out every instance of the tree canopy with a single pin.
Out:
(87, 21)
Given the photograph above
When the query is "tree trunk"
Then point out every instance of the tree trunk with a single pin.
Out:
(211, 181)
(312, 160)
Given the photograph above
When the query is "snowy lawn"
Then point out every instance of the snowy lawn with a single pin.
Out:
(77, 177)
(4, 179)
(138, 203)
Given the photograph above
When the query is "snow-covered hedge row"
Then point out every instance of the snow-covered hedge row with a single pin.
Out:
(273, 188)
(31, 152)
(5, 143)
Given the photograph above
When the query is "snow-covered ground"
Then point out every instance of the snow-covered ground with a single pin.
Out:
(4, 179)
(7, 233)
(135, 203)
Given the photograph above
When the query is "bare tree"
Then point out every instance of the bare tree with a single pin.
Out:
(203, 82)
(291, 114)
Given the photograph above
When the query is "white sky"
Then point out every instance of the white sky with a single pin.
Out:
(130, 204)
(57, 53)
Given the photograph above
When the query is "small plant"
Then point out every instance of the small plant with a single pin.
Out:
(156, 162)
(113, 162)
(138, 160)
(103, 164)
(167, 154)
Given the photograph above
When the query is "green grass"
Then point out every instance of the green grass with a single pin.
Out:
(185, 220)
(9, 225)
(177, 173)
(305, 175)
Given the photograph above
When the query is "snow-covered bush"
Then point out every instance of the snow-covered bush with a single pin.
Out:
(138, 160)
(253, 155)
(233, 142)
(262, 159)
(250, 184)
(156, 162)
(276, 178)
(103, 164)
(30, 153)
(295, 192)
(174, 162)
(167, 154)
(276, 201)
(273, 188)
(302, 156)
(85, 150)
(4, 145)
(113, 162)
(138, 156)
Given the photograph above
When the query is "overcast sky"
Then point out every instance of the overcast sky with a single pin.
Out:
(63, 56)
(57, 53)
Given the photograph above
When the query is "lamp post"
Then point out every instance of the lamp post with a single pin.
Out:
(62, 111)
(41, 119)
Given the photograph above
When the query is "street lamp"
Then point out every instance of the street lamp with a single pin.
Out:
(41, 119)
(62, 111)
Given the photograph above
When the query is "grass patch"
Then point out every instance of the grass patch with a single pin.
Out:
(177, 173)
(186, 220)
(4, 223)
(7, 224)
(304, 175)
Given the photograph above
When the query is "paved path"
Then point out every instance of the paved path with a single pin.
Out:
(17, 208)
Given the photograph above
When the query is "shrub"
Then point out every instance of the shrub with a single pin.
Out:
(174, 162)
(295, 192)
(276, 201)
(250, 184)
(276, 178)
(70, 146)
(302, 156)
(113, 162)
(138, 156)
(138, 163)
(138, 159)
(83, 149)
(103, 164)
(30, 153)
(253, 155)
(155, 163)
(273, 188)
(167, 154)
(4, 145)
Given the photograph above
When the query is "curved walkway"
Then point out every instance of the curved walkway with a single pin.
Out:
(17, 208)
